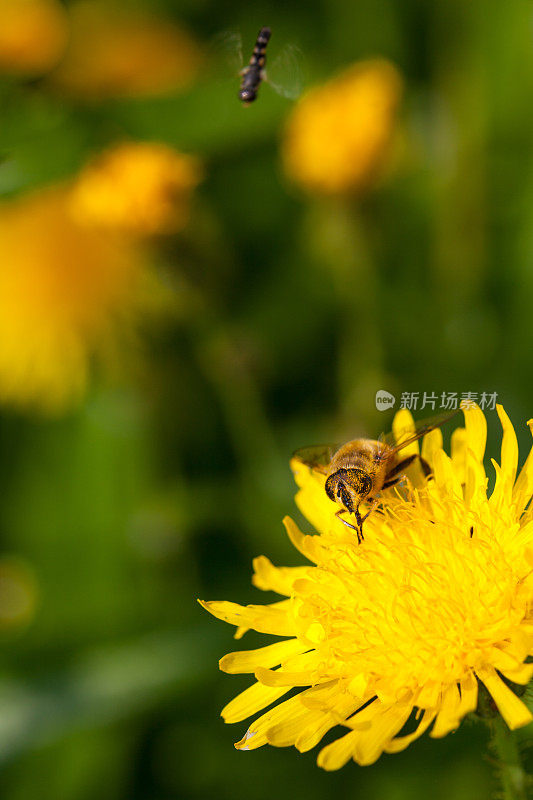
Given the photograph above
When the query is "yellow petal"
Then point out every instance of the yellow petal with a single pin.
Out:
(445, 475)
(281, 678)
(429, 694)
(458, 450)
(509, 452)
(431, 442)
(400, 743)
(286, 733)
(338, 753)
(469, 693)
(251, 741)
(523, 488)
(522, 674)
(448, 715)
(506, 473)
(403, 427)
(311, 735)
(321, 697)
(370, 744)
(476, 431)
(281, 713)
(255, 698)
(298, 539)
(276, 579)
(342, 706)
(512, 709)
(264, 619)
(270, 656)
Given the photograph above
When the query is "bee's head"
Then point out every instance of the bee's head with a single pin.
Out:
(247, 95)
(348, 487)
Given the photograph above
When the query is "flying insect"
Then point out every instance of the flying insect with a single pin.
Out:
(285, 74)
(254, 73)
(357, 471)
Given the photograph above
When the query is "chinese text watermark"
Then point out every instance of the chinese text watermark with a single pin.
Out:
(445, 401)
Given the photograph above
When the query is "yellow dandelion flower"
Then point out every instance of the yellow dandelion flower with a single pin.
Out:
(114, 52)
(391, 638)
(67, 293)
(136, 187)
(338, 133)
(33, 35)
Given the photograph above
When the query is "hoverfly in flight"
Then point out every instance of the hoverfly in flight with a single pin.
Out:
(284, 76)
(254, 73)
(357, 471)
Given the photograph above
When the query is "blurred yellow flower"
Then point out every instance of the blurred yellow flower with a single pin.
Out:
(141, 188)
(392, 637)
(116, 51)
(68, 293)
(33, 35)
(337, 135)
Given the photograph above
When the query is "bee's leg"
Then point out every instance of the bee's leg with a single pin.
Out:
(344, 521)
(372, 508)
(357, 528)
(360, 536)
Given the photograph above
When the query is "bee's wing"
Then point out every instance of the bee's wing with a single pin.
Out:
(317, 456)
(225, 53)
(399, 440)
(286, 74)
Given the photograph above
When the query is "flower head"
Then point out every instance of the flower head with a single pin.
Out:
(141, 188)
(118, 53)
(68, 293)
(33, 34)
(392, 637)
(338, 133)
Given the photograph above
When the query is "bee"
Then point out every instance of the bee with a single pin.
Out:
(254, 73)
(357, 471)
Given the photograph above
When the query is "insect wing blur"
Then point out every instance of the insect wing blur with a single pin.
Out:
(317, 457)
(286, 72)
(399, 439)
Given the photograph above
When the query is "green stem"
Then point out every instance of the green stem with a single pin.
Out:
(511, 773)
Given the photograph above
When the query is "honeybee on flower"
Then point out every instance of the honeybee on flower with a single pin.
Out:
(359, 470)
(393, 637)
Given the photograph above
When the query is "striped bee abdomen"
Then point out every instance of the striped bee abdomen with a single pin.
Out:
(252, 75)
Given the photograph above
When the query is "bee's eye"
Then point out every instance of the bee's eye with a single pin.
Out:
(330, 487)
(366, 485)
(358, 480)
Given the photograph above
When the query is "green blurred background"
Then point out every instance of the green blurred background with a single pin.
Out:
(163, 484)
